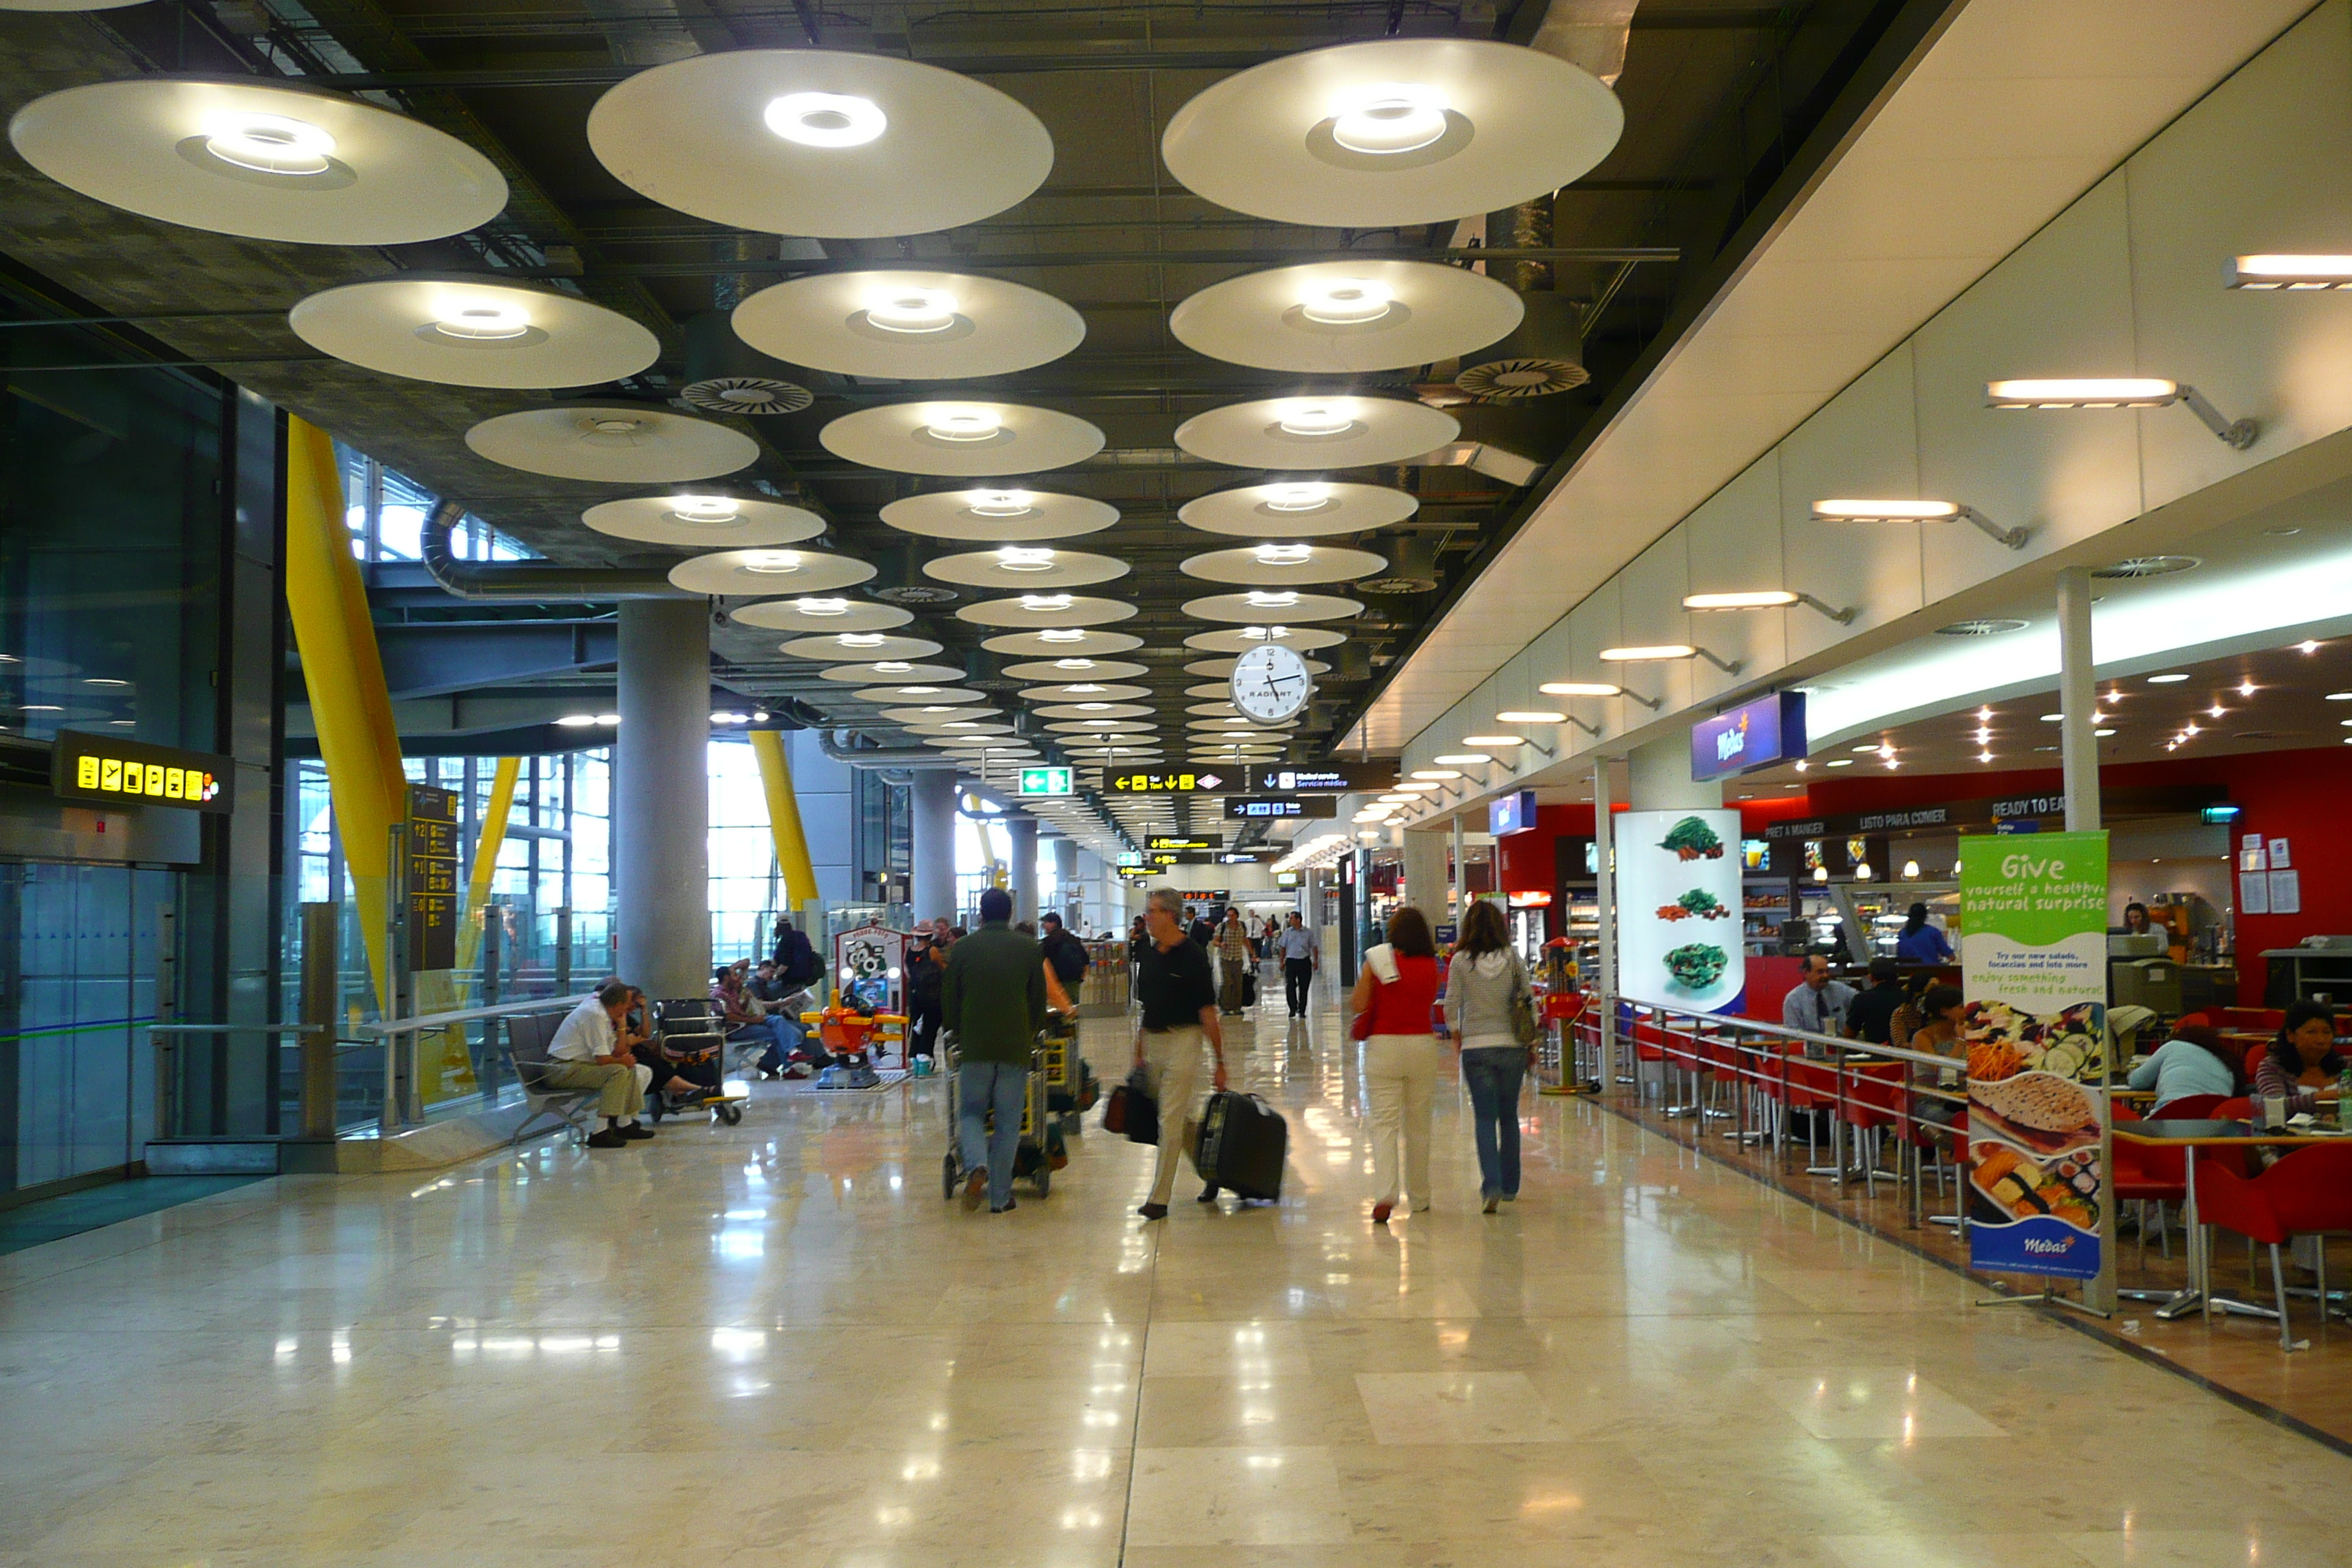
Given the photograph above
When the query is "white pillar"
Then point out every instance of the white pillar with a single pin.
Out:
(1461, 879)
(1605, 899)
(1066, 880)
(932, 804)
(661, 797)
(1424, 872)
(2078, 700)
(1660, 778)
(1020, 834)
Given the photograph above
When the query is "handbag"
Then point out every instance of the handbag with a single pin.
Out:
(1525, 1028)
(1131, 1110)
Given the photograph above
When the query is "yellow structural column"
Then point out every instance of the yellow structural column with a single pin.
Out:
(785, 818)
(343, 672)
(443, 990)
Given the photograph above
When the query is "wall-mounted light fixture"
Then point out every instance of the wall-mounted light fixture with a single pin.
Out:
(1849, 511)
(1653, 653)
(2301, 273)
(1764, 599)
(2120, 392)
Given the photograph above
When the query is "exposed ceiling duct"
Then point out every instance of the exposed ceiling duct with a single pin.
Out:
(725, 376)
(1588, 33)
(529, 582)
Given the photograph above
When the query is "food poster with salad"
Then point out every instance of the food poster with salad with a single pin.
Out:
(2033, 963)
(1678, 908)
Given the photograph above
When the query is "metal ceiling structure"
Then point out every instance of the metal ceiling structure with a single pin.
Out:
(1722, 102)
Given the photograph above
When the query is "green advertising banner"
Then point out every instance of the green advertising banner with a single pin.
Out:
(2033, 963)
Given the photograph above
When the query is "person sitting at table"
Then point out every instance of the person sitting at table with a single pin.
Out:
(1869, 1016)
(2301, 1064)
(1945, 1007)
(2193, 1061)
(1817, 1004)
(1909, 1017)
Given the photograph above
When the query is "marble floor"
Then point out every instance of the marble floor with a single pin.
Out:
(776, 1344)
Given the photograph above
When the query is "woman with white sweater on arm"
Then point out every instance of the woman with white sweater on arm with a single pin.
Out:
(1479, 985)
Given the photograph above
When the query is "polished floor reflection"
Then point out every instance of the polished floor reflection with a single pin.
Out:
(776, 1343)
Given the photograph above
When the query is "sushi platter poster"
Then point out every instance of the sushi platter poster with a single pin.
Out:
(1678, 907)
(2033, 953)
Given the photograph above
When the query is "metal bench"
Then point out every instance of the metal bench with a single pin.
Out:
(527, 1037)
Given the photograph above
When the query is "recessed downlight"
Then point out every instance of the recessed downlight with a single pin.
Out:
(825, 119)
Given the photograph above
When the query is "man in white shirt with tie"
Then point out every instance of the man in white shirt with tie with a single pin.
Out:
(1818, 1004)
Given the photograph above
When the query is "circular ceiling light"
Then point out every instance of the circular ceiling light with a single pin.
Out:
(623, 444)
(894, 669)
(1315, 431)
(1283, 563)
(999, 515)
(263, 161)
(1062, 642)
(1297, 508)
(818, 612)
(1061, 612)
(766, 573)
(814, 141)
(1257, 607)
(2149, 567)
(703, 520)
(972, 440)
(474, 332)
(1338, 317)
(1113, 713)
(1062, 670)
(1395, 131)
(1241, 639)
(908, 325)
(1025, 567)
(1221, 670)
(1084, 691)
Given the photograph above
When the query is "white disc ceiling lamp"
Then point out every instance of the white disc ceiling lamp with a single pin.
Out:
(767, 573)
(1084, 691)
(970, 440)
(896, 669)
(1053, 611)
(908, 325)
(867, 647)
(1241, 639)
(1076, 667)
(1297, 509)
(1000, 515)
(473, 331)
(1397, 131)
(1026, 568)
(1219, 670)
(829, 613)
(1094, 709)
(260, 160)
(893, 696)
(1063, 642)
(1284, 564)
(1315, 431)
(627, 444)
(810, 142)
(1262, 608)
(1336, 316)
(712, 521)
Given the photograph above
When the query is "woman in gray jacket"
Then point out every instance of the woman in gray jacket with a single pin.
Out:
(1479, 985)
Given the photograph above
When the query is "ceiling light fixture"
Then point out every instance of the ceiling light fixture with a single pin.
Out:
(704, 511)
(1062, 633)
(1346, 302)
(1436, 774)
(1385, 117)
(772, 562)
(825, 119)
(912, 311)
(1002, 503)
(1046, 604)
(1314, 419)
(1025, 558)
(2172, 679)
(2292, 272)
(1073, 663)
(1764, 599)
(964, 425)
(864, 639)
(1857, 511)
(892, 667)
(1285, 554)
(822, 606)
(1271, 599)
(2121, 392)
(1531, 716)
(1493, 740)
(1650, 652)
(1463, 759)
(481, 320)
(270, 145)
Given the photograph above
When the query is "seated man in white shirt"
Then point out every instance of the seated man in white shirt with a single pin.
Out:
(587, 1053)
(1818, 1004)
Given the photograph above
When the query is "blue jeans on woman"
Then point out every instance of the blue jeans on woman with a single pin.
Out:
(980, 1088)
(1493, 1075)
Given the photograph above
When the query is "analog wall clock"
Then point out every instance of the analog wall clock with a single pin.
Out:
(1271, 684)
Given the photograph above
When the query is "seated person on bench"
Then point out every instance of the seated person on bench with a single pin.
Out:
(783, 1003)
(686, 1081)
(588, 1052)
(743, 1017)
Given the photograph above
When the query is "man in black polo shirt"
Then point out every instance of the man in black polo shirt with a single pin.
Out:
(1868, 1015)
(1179, 996)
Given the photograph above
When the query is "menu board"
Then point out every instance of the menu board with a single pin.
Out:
(432, 868)
(1678, 901)
(2034, 968)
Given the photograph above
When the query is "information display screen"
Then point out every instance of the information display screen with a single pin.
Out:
(132, 773)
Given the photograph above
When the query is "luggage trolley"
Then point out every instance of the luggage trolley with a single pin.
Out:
(1065, 1071)
(685, 1035)
(1033, 1157)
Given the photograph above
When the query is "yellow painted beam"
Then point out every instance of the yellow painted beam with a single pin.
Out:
(785, 818)
(485, 861)
(448, 990)
(326, 603)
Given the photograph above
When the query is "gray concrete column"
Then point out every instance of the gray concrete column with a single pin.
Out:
(1021, 832)
(1066, 877)
(2078, 700)
(1604, 866)
(661, 797)
(933, 807)
(1661, 779)
(1424, 873)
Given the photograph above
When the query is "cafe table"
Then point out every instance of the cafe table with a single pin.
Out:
(2188, 1136)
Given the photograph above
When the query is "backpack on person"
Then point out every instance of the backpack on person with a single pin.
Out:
(797, 963)
(1068, 954)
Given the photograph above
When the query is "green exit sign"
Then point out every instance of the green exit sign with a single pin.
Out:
(1044, 781)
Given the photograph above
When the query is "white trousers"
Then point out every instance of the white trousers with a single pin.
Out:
(1400, 1072)
(1173, 1060)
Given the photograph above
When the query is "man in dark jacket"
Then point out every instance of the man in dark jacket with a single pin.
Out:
(994, 999)
(927, 964)
(1065, 952)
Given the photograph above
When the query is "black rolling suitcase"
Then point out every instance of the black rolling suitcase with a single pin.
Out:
(1242, 1146)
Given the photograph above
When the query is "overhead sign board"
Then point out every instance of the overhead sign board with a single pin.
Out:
(1200, 841)
(432, 876)
(1131, 857)
(132, 773)
(1333, 778)
(1188, 782)
(1753, 735)
(1513, 813)
(1280, 807)
(1045, 780)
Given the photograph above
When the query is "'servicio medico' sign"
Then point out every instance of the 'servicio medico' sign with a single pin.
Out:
(1753, 735)
(2033, 962)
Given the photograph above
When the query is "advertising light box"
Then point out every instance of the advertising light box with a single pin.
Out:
(1678, 908)
(1753, 735)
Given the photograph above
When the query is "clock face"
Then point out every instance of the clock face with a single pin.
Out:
(1271, 684)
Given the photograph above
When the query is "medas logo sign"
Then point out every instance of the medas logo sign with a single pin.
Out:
(1753, 735)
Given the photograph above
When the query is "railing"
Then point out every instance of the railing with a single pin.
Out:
(1103, 993)
(402, 1038)
(1762, 1079)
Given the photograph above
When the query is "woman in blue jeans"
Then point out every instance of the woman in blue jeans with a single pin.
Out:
(1479, 985)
